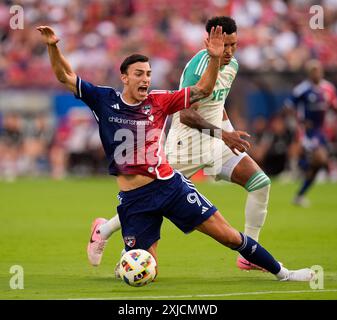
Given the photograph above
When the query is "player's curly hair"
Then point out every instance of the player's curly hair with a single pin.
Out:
(131, 60)
(227, 23)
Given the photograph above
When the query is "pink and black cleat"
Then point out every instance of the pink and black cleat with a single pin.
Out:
(245, 265)
(96, 244)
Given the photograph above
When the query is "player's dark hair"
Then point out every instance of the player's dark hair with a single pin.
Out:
(227, 23)
(131, 60)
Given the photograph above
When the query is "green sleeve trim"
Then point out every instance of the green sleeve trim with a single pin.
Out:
(192, 72)
(234, 64)
(189, 78)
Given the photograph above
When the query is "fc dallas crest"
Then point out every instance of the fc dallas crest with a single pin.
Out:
(147, 109)
(130, 241)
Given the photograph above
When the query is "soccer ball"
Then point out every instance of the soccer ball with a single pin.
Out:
(137, 267)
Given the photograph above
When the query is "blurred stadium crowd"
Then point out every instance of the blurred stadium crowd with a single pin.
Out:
(33, 144)
(274, 36)
(96, 35)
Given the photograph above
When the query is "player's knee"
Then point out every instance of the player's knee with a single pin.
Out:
(233, 239)
(321, 160)
(258, 181)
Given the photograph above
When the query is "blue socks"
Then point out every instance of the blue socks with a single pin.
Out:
(256, 254)
(306, 185)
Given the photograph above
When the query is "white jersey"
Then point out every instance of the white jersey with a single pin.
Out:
(185, 144)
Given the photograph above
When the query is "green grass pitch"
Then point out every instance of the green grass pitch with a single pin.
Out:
(45, 227)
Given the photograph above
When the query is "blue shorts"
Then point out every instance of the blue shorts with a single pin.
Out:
(310, 142)
(141, 210)
(313, 139)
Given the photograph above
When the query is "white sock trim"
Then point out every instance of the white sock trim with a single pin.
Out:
(283, 274)
(111, 226)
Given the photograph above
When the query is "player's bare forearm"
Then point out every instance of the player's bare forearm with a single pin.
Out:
(204, 87)
(193, 119)
(60, 65)
(62, 68)
(233, 139)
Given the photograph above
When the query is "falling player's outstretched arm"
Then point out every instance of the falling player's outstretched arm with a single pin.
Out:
(60, 65)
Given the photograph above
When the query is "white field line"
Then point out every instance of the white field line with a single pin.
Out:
(233, 294)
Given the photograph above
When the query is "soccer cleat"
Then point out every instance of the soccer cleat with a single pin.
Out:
(245, 265)
(96, 244)
(301, 201)
(298, 275)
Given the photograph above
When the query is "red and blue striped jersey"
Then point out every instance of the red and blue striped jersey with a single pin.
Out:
(133, 136)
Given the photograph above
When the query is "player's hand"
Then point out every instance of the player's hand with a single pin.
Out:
(235, 142)
(215, 42)
(48, 35)
(195, 106)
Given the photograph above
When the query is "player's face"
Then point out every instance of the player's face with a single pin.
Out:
(137, 80)
(229, 48)
(316, 74)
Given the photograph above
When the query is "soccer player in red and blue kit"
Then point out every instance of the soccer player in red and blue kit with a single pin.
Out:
(310, 100)
(131, 126)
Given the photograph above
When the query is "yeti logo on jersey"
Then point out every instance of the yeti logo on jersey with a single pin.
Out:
(130, 241)
(220, 94)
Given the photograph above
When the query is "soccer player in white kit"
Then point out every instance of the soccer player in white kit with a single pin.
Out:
(190, 147)
(205, 139)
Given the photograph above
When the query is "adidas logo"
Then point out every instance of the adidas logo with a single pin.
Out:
(253, 248)
(115, 106)
(204, 209)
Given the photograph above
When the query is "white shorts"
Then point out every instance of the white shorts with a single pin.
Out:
(219, 164)
(220, 169)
